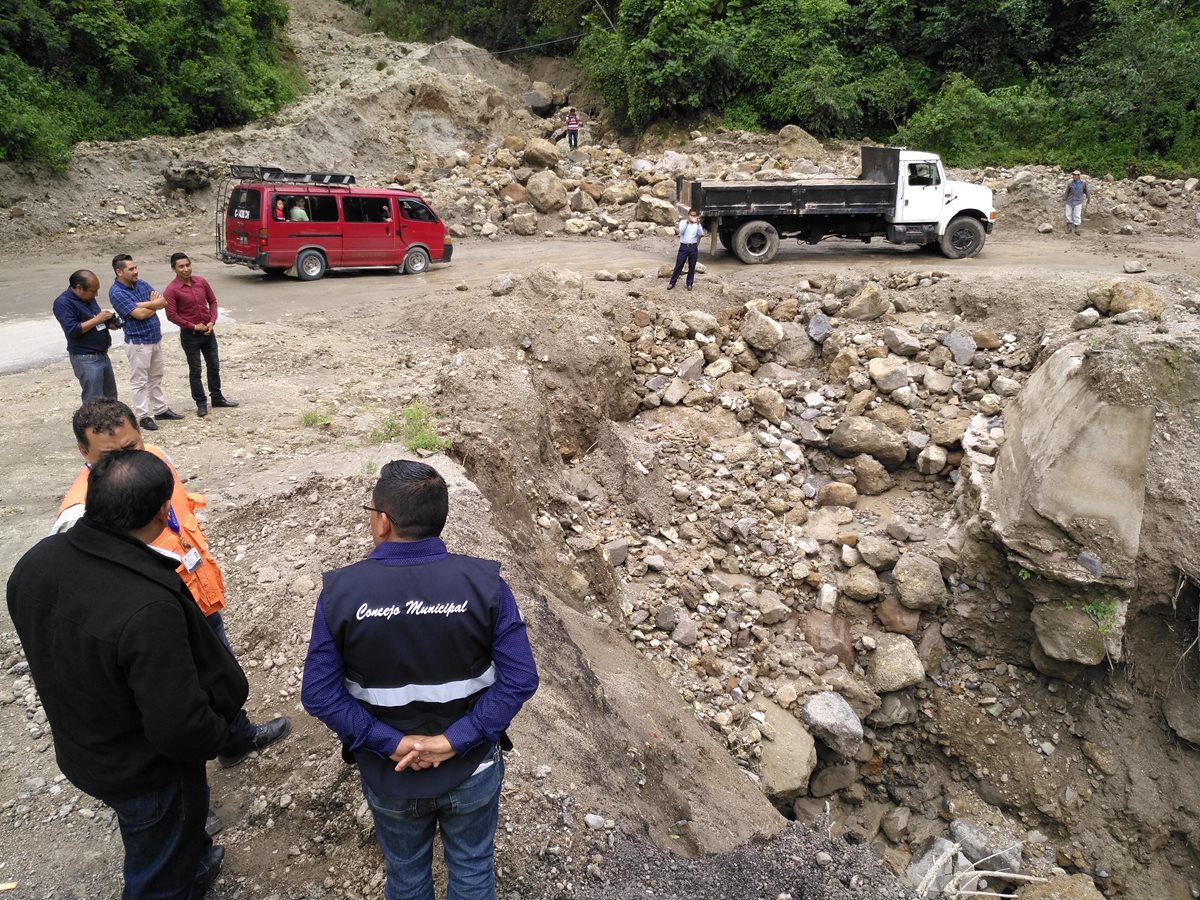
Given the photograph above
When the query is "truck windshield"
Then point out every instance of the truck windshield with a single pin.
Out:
(244, 204)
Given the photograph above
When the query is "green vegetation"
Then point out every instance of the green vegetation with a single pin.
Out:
(413, 427)
(317, 418)
(416, 429)
(370, 467)
(116, 69)
(1104, 612)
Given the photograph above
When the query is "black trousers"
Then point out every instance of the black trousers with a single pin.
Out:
(573, 140)
(687, 253)
(196, 346)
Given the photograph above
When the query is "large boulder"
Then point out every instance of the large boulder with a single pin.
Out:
(894, 665)
(620, 193)
(187, 175)
(789, 758)
(1062, 887)
(868, 304)
(832, 721)
(539, 98)
(652, 209)
(1071, 474)
(795, 142)
(546, 191)
(524, 223)
(1115, 296)
(1068, 634)
(514, 192)
(858, 434)
(759, 331)
(540, 154)
(918, 581)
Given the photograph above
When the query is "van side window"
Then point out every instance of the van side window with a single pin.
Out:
(417, 211)
(923, 174)
(322, 208)
(366, 209)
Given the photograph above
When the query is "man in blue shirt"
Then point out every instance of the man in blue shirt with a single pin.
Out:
(87, 329)
(138, 304)
(690, 232)
(419, 661)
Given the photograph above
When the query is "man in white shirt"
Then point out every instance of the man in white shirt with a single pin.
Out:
(690, 232)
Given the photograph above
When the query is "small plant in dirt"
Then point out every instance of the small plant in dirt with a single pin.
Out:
(370, 467)
(1104, 611)
(380, 65)
(416, 429)
(388, 430)
(317, 418)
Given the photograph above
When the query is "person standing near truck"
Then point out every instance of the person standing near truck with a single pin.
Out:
(1076, 197)
(690, 232)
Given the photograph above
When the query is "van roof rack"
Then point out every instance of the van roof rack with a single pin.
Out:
(276, 174)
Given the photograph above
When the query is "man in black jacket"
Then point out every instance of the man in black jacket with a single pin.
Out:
(138, 690)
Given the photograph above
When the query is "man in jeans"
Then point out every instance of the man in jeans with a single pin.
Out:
(87, 326)
(419, 661)
(138, 304)
(192, 305)
(138, 690)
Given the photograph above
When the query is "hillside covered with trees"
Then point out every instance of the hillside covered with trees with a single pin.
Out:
(116, 69)
(1108, 85)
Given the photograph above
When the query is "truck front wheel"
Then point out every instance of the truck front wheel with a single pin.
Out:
(756, 242)
(963, 237)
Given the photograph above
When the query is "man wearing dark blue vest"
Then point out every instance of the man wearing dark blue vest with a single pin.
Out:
(419, 661)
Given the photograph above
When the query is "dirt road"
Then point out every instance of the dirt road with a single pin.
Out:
(29, 336)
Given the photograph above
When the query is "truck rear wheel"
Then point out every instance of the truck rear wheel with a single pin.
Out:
(963, 237)
(756, 242)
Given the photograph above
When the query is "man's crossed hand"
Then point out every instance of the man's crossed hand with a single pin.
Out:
(420, 751)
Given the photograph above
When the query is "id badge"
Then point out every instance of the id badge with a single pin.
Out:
(191, 560)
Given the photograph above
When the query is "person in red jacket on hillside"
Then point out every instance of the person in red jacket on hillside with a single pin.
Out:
(192, 305)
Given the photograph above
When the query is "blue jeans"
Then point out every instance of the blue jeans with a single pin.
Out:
(687, 254)
(241, 730)
(95, 374)
(467, 818)
(165, 844)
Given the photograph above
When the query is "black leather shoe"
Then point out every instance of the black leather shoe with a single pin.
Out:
(202, 410)
(148, 423)
(670, 287)
(168, 415)
(210, 869)
(213, 823)
(264, 736)
(228, 404)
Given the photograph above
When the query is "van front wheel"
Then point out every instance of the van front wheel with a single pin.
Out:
(310, 265)
(416, 261)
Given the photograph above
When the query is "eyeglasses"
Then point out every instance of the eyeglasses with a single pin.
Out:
(382, 513)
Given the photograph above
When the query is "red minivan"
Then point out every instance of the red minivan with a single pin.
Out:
(274, 220)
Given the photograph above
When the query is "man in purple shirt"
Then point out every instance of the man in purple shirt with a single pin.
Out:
(138, 304)
(192, 305)
(418, 661)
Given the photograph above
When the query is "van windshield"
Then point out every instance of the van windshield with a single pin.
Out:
(244, 204)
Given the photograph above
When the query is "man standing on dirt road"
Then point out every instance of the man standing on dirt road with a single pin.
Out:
(192, 305)
(138, 304)
(87, 326)
(1076, 197)
(138, 691)
(419, 661)
(108, 426)
(690, 232)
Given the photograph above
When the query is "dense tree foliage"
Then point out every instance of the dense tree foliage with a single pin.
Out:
(1107, 84)
(113, 69)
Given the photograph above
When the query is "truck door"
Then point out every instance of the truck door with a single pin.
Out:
(368, 234)
(921, 190)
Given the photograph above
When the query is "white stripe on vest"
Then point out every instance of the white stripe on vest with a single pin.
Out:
(422, 693)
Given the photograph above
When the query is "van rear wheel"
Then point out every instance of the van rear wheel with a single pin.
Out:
(756, 242)
(310, 265)
(416, 261)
